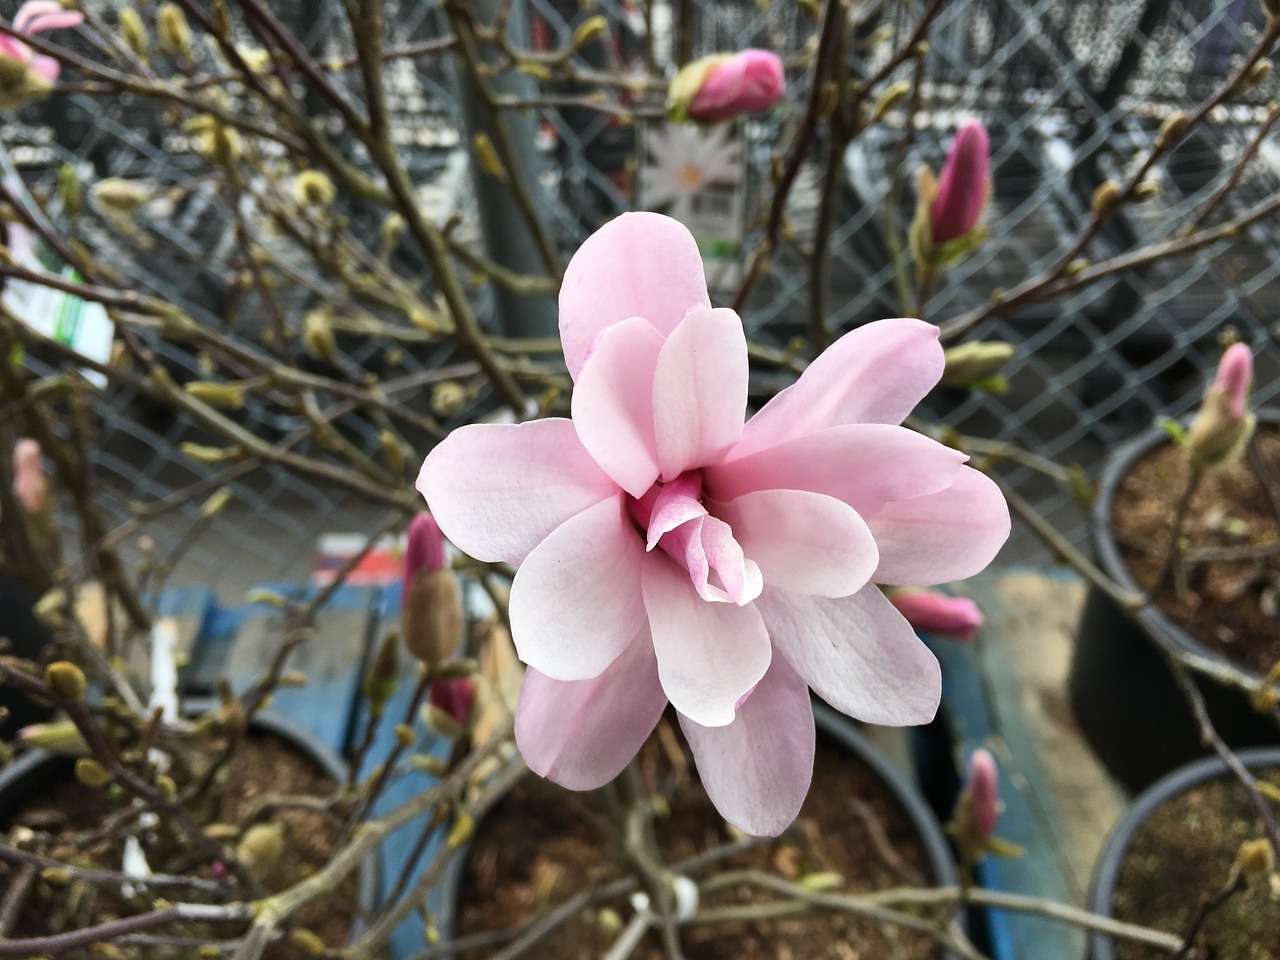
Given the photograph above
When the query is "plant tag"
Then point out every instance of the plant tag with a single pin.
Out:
(72, 322)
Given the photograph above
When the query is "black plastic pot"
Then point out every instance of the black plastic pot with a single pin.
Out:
(1107, 871)
(27, 638)
(834, 727)
(32, 774)
(1125, 698)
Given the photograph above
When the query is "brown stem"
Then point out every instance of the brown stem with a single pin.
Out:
(156, 880)
(61, 943)
(1206, 908)
(1172, 557)
(1209, 735)
(15, 897)
(1049, 284)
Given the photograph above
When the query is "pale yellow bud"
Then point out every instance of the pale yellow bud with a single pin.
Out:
(488, 157)
(448, 398)
(120, 196)
(312, 188)
(67, 680)
(970, 363)
(173, 30)
(1171, 131)
(91, 773)
(1256, 858)
(317, 336)
(261, 845)
(1104, 198)
(133, 32)
(225, 396)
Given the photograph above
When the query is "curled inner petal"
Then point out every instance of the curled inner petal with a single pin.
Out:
(675, 519)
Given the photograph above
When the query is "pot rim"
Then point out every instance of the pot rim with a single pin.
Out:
(1107, 869)
(369, 874)
(837, 727)
(1116, 466)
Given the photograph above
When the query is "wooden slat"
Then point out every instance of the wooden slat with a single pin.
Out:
(1007, 692)
(331, 661)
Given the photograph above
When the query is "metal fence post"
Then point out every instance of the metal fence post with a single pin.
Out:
(507, 238)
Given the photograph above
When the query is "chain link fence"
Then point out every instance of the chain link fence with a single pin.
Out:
(1071, 93)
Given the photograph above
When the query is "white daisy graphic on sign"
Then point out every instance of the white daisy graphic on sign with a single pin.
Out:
(683, 161)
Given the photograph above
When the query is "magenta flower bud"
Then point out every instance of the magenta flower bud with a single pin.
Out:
(984, 792)
(1235, 371)
(963, 186)
(430, 599)
(455, 697)
(30, 484)
(932, 612)
(424, 550)
(35, 16)
(726, 86)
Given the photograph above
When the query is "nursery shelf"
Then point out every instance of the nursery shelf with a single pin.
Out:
(1007, 692)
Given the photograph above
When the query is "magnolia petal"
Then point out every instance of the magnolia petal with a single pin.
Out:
(709, 654)
(581, 733)
(802, 541)
(866, 465)
(877, 373)
(676, 504)
(945, 536)
(497, 490)
(757, 769)
(613, 404)
(740, 578)
(32, 9)
(857, 653)
(46, 68)
(576, 600)
(637, 265)
(54, 21)
(700, 391)
(14, 50)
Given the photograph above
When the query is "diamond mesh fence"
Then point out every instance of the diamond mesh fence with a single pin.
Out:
(1072, 94)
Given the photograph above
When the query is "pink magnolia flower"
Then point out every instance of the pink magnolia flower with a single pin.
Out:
(36, 16)
(30, 484)
(983, 788)
(964, 185)
(670, 553)
(725, 86)
(931, 612)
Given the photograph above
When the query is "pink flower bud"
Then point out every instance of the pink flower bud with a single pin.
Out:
(932, 612)
(984, 792)
(430, 600)
(455, 697)
(35, 16)
(425, 549)
(726, 86)
(29, 481)
(1223, 424)
(1235, 371)
(963, 186)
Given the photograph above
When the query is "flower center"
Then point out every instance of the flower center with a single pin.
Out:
(689, 178)
(672, 516)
